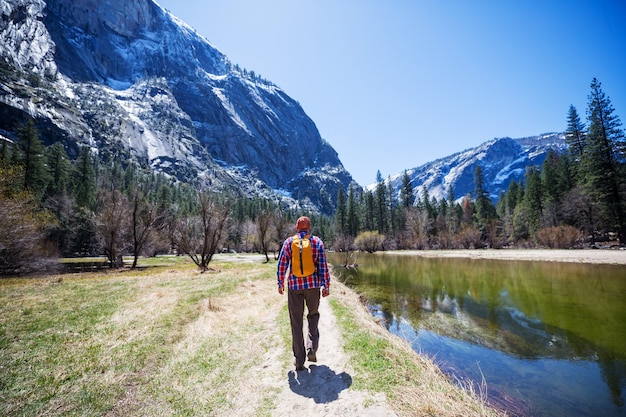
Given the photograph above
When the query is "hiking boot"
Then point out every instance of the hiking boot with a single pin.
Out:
(311, 356)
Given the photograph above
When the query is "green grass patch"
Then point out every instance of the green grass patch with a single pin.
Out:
(284, 329)
(77, 344)
(46, 343)
(379, 366)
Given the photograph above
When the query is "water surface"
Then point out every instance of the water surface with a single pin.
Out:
(539, 338)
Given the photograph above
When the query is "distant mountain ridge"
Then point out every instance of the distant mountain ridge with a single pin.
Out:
(131, 81)
(502, 160)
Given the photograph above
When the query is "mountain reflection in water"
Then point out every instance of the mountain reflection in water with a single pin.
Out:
(548, 338)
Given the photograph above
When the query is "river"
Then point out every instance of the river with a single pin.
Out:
(535, 338)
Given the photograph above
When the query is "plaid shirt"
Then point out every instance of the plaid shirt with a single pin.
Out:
(321, 277)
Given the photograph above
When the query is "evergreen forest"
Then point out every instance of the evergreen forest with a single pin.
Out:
(52, 207)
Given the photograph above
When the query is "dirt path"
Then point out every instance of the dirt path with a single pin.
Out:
(324, 388)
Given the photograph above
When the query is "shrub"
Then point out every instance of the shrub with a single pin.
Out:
(23, 229)
(369, 241)
(469, 238)
(558, 237)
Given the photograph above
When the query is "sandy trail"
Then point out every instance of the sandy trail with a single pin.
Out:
(592, 256)
(324, 388)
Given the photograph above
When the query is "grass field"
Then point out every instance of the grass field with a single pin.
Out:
(166, 340)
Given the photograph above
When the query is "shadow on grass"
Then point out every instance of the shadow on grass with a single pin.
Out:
(83, 266)
(77, 265)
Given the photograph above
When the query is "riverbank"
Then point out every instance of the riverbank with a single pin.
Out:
(592, 256)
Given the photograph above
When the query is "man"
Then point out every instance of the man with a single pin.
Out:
(303, 259)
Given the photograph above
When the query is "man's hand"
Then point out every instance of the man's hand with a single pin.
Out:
(325, 292)
(281, 290)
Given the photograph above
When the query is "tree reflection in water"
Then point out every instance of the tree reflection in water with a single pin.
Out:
(548, 334)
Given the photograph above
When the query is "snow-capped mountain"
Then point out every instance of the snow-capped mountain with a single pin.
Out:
(131, 81)
(501, 160)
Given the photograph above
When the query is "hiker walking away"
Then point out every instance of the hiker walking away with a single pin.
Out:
(303, 259)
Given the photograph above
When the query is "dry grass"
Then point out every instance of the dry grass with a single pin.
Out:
(151, 342)
(168, 340)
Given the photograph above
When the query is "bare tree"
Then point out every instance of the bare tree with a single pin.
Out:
(248, 233)
(264, 233)
(112, 225)
(199, 236)
(282, 229)
(580, 210)
(345, 243)
(144, 219)
(419, 224)
(23, 228)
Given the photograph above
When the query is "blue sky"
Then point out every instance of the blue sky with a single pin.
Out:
(394, 84)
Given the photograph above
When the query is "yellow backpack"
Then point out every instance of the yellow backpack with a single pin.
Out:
(302, 264)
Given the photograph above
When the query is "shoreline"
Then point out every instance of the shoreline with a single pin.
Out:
(591, 256)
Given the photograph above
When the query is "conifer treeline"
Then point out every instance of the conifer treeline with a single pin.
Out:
(575, 198)
(51, 206)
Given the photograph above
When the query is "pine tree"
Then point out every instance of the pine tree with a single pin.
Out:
(508, 203)
(369, 210)
(426, 203)
(556, 183)
(392, 203)
(341, 215)
(85, 185)
(601, 160)
(501, 205)
(381, 204)
(406, 192)
(575, 133)
(533, 199)
(59, 168)
(33, 158)
(455, 212)
(485, 210)
(353, 216)
(565, 173)
(5, 151)
(551, 192)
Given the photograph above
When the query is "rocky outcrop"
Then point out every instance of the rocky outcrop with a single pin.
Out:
(131, 81)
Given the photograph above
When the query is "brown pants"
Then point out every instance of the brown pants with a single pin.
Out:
(296, 299)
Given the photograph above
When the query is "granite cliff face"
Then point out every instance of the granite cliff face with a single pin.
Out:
(133, 82)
